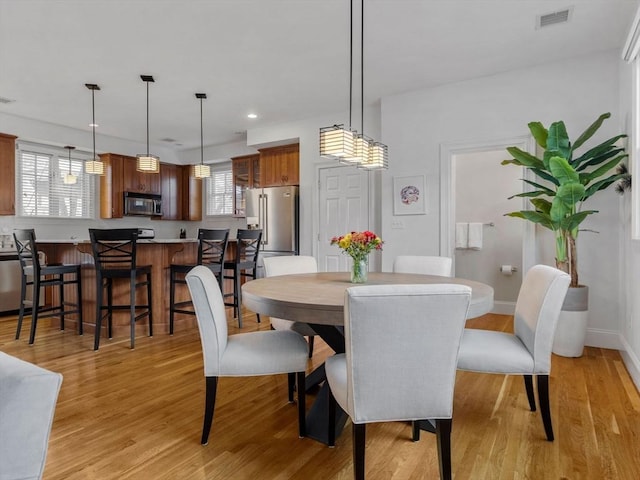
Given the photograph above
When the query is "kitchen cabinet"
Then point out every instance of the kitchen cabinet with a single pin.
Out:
(140, 182)
(191, 193)
(112, 186)
(246, 173)
(7, 174)
(279, 166)
(171, 185)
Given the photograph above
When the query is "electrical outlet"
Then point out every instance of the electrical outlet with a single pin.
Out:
(399, 224)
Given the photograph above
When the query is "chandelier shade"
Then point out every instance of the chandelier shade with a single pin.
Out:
(146, 162)
(70, 178)
(201, 170)
(93, 166)
(336, 142)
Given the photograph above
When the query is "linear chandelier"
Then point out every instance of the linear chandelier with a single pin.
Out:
(94, 166)
(147, 163)
(201, 170)
(346, 145)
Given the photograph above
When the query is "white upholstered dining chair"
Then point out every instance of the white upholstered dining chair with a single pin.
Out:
(286, 265)
(401, 349)
(424, 265)
(245, 354)
(527, 351)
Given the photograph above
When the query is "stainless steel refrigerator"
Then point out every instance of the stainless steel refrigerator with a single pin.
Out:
(275, 211)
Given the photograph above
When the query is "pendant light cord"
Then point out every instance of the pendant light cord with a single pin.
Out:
(350, 61)
(201, 136)
(362, 66)
(147, 118)
(93, 122)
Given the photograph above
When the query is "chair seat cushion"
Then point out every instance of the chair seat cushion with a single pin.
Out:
(264, 353)
(298, 327)
(494, 352)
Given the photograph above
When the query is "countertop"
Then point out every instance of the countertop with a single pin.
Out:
(77, 241)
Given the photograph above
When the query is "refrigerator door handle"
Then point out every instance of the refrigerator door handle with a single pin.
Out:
(265, 223)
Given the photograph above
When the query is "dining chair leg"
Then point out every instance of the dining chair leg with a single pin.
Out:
(311, 339)
(291, 383)
(528, 385)
(545, 410)
(61, 299)
(236, 297)
(359, 440)
(443, 434)
(209, 405)
(302, 401)
(415, 430)
(331, 426)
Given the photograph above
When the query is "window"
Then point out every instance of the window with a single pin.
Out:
(41, 190)
(219, 191)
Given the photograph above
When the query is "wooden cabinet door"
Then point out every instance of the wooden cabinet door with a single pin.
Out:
(135, 181)
(171, 186)
(191, 195)
(7, 174)
(111, 186)
(280, 166)
(243, 178)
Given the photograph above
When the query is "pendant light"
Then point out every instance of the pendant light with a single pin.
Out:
(70, 178)
(347, 145)
(147, 163)
(201, 170)
(93, 166)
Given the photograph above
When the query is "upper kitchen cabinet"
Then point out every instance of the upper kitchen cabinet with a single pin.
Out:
(7, 174)
(280, 166)
(111, 186)
(140, 182)
(181, 193)
(246, 174)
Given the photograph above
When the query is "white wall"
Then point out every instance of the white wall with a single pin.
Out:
(629, 250)
(416, 124)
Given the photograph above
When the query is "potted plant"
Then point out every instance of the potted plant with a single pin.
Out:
(564, 181)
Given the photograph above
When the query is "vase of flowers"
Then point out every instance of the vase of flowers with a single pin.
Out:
(358, 245)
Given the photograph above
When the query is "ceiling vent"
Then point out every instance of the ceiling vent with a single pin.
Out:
(561, 16)
(6, 100)
(168, 140)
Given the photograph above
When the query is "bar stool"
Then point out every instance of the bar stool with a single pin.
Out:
(114, 253)
(244, 265)
(212, 246)
(52, 275)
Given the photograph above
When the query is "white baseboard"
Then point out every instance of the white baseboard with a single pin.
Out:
(603, 339)
(631, 361)
(504, 308)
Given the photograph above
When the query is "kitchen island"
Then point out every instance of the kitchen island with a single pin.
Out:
(159, 253)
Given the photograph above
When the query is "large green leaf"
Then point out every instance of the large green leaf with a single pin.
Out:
(559, 210)
(598, 150)
(564, 172)
(535, 217)
(546, 175)
(600, 171)
(539, 133)
(602, 184)
(572, 221)
(532, 194)
(612, 152)
(559, 140)
(542, 205)
(588, 133)
(525, 158)
(540, 187)
(570, 193)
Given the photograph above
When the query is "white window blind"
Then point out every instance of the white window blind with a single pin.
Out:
(219, 188)
(41, 190)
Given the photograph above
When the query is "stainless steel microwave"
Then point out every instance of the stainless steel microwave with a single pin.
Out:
(145, 204)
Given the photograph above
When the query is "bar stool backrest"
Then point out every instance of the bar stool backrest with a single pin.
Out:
(212, 246)
(114, 249)
(27, 251)
(248, 246)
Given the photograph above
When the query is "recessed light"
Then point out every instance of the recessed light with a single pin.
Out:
(252, 115)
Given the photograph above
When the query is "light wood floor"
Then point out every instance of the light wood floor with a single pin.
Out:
(137, 414)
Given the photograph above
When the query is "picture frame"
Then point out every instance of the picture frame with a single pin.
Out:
(409, 195)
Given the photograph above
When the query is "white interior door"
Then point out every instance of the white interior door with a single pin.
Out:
(343, 203)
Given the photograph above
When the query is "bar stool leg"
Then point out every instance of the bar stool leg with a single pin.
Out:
(132, 310)
(99, 292)
(172, 297)
(150, 305)
(34, 308)
(79, 300)
(23, 296)
(61, 296)
(236, 296)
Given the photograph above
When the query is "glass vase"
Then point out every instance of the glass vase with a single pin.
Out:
(360, 270)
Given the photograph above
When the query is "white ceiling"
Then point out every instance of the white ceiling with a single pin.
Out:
(282, 59)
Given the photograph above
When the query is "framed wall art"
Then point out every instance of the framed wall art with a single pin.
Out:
(409, 195)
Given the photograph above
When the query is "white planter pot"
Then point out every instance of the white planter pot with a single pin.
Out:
(572, 324)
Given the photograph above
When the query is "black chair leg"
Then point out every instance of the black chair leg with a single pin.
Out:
(172, 299)
(61, 299)
(23, 296)
(331, 433)
(443, 434)
(528, 385)
(79, 300)
(96, 341)
(302, 400)
(291, 382)
(209, 405)
(34, 310)
(359, 437)
(110, 307)
(150, 304)
(236, 297)
(311, 339)
(415, 430)
(545, 410)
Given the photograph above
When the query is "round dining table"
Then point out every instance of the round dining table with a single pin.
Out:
(318, 299)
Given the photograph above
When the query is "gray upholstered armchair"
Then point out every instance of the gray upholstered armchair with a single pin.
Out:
(401, 350)
(28, 396)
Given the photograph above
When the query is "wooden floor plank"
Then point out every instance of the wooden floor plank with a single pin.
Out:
(137, 414)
